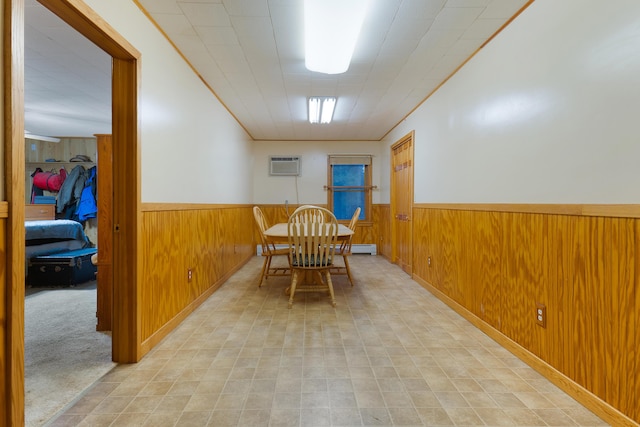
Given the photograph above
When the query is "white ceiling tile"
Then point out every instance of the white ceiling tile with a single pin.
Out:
(198, 1)
(161, 6)
(205, 14)
(251, 54)
(247, 7)
(213, 36)
(456, 18)
(482, 29)
(464, 47)
(174, 24)
(468, 3)
(501, 9)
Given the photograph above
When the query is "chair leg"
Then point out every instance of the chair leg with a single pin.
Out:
(292, 289)
(330, 285)
(264, 269)
(346, 266)
(268, 269)
(318, 278)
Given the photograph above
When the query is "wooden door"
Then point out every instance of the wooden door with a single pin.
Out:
(402, 201)
(104, 311)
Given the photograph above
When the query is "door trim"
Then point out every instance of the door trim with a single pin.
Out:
(127, 215)
(126, 184)
(12, 294)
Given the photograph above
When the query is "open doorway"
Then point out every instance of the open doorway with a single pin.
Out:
(124, 171)
(126, 188)
(64, 351)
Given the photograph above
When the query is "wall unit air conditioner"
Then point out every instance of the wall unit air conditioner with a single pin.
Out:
(284, 165)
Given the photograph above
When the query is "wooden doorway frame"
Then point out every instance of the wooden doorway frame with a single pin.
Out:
(408, 138)
(126, 346)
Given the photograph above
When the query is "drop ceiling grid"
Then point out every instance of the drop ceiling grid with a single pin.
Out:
(251, 54)
(261, 59)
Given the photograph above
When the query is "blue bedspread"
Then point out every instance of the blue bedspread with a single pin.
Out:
(52, 230)
(52, 236)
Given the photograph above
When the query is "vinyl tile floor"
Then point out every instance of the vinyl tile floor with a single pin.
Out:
(388, 354)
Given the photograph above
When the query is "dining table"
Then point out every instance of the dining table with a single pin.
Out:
(279, 233)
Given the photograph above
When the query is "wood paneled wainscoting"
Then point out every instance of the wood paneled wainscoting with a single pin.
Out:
(382, 229)
(495, 263)
(188, 252)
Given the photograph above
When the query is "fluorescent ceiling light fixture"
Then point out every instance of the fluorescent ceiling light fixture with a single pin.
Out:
(30, 135)
(331, 30)
(321, 109)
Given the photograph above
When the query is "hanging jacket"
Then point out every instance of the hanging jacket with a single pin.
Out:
(87, 207)
(71, 189)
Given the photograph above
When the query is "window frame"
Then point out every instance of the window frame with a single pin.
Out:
(352, 159)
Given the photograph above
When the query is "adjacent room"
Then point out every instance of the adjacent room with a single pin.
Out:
(67, 328)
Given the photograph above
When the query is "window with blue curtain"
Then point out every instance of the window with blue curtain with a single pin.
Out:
(350, 185)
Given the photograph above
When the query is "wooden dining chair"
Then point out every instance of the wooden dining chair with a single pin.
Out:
(312, 213)
(312, 244)
(269, 250)
(344, 249)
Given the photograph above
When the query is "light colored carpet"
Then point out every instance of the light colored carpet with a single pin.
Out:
(64, 354)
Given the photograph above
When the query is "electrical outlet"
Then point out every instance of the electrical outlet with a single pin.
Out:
(541, 315)
(189, 274)
(429, 261)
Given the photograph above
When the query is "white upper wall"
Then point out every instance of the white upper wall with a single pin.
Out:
(192, 150)
(308, 188)
(547, 112)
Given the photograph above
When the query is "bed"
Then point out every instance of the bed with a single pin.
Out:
(45, 235)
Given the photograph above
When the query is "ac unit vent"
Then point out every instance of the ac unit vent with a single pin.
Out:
(284, 165)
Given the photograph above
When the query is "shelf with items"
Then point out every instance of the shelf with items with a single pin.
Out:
(30, 168)
(58, 165)
(69, 148)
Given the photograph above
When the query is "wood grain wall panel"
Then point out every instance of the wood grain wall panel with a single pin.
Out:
(450, 252)
(211, 242)
(5, 347)
(584, 269)
(433, 228)
(603, 315)
(587, 312)
(162, 291)
(554, 347)
(465, 283)
(364, 234)
(525, 278)
(485, 255)
(623, 350)
(633, 326)
(382, 229)
(278, 213)
(559, 317)
(542, 272)
(421, 244)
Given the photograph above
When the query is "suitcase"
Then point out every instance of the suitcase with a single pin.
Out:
(62, 269)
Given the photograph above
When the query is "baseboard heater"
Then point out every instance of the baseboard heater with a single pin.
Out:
(364, 248)
(361, 248)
